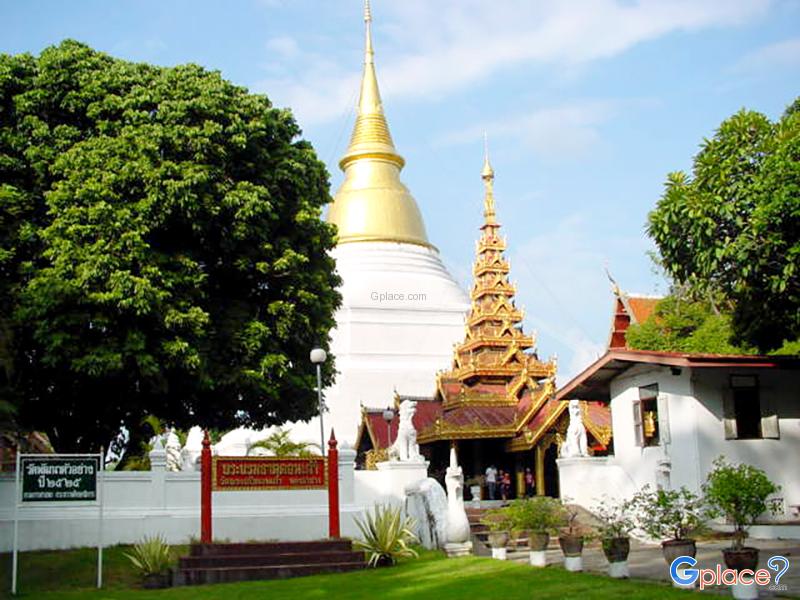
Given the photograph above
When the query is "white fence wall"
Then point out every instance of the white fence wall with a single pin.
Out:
(161, 502)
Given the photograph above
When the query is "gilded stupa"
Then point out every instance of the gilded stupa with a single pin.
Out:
(401, 309)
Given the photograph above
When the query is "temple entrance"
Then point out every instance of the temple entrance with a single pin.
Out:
(551, 487)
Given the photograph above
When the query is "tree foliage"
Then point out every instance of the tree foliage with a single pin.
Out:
(731, 230)
(161, 249)
(684, 325)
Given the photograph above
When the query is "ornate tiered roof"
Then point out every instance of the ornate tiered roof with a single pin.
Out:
(497, 384)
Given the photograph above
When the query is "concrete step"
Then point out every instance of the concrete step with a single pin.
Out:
(268, 560)
(219, 563)
(264, 548)
(232, 574)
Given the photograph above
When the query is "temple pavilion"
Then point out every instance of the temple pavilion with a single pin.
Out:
(496, 403)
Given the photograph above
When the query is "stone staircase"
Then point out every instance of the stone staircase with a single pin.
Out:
(480, 534)
(222, 563)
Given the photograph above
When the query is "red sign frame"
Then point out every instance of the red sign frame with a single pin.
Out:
(247, 473)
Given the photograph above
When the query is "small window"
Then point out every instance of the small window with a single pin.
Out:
(645, 416)
(746, 406)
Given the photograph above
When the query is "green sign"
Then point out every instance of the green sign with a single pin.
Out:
(53, 478)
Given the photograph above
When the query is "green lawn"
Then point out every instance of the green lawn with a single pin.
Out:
(70, 574)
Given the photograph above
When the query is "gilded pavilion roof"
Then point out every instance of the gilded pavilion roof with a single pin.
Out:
(497, 385)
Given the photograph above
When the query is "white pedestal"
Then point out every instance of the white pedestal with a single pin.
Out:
(499, 553)
(743, 591)
(685, 586)
(619, 570)
(458, 549)
(400, 474)
(538, 558)
(573, 563)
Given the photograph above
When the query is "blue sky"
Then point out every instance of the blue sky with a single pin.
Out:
(588, 104)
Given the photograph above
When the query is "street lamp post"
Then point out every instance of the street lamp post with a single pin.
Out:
(318, 356)
(388, 415)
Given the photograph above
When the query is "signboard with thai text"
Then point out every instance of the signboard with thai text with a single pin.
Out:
(54, 478)
(232, 473)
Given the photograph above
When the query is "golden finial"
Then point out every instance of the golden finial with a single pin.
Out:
(487, 174)
(373, 204)
(368, 52)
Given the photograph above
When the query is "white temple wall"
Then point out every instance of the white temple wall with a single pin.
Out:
(142, 503)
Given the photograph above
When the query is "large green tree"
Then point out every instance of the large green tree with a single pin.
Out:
(730, 232)
(161, 249)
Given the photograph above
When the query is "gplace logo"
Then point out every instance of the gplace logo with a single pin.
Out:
(682, 572)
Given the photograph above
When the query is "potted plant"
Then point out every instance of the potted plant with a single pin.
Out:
(614, 530)
(388, 535)
(740, 494)
(671, 516)
(571, 538)
(475, 485)
(499, 525)
(540, 516)
(152, 558)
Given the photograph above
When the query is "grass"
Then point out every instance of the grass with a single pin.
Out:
(70, 574)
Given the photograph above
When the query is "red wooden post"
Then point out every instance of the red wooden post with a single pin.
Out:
(205, 491)
(333, 488)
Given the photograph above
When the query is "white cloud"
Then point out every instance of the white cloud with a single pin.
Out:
(780, 55)
(567, 130)
(564, 290)
(433, 48)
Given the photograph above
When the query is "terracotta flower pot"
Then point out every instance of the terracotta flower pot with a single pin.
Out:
(674, 548)
(616, 549)
(498, 539)
(744, 558)
(571, 545)
(538, 540)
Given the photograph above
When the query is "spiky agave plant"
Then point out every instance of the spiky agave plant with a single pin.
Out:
(387, 535)
(151, 556)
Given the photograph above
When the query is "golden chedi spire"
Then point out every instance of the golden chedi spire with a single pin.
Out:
(372, 203)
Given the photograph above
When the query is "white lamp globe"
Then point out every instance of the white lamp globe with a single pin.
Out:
(318, 355)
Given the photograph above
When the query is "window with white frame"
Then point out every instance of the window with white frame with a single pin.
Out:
(747, 416)
(646, 419)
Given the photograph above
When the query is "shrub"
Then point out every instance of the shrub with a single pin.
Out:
(497, 519)
(668, 514)
(615, 518)
(738, 492)
(151, 556)
(539, 514)
(387, 535)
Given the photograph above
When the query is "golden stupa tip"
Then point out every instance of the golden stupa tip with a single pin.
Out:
(487, 172)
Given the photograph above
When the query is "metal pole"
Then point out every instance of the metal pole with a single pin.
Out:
(16, 527)
(101, 494)
(319, 403)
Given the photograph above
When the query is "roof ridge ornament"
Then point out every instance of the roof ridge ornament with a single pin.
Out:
(487, 174)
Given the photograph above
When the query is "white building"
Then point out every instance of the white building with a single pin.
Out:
(401, 310)
(672, 414)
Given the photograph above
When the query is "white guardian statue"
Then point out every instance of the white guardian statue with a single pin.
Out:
(405, 447)
(173, 449)
(575, 444)
(458, 531)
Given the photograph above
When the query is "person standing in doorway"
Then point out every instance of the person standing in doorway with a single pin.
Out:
(505, 485)
(528, 483)
(491, 481)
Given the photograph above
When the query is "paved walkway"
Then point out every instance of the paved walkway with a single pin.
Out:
(647, 562)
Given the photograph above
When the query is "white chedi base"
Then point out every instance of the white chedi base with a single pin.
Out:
(454, 549)
(382, 344)
(743, 591)
(538, 558)
(573, 563)
(499, 553)
(619, 570)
